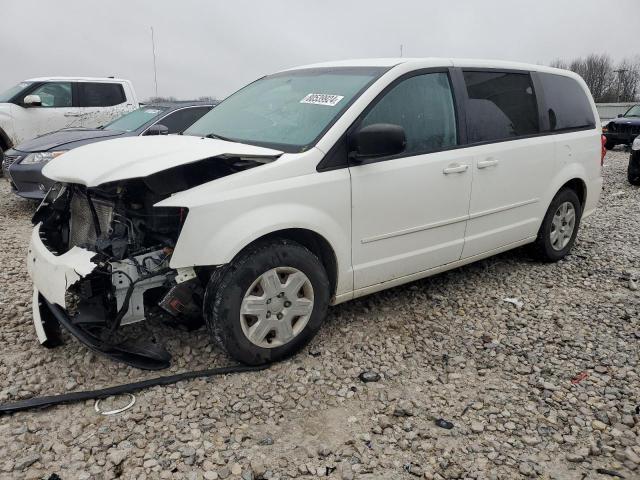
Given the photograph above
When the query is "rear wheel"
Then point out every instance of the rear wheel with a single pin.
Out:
(268, 303)
(559, 227)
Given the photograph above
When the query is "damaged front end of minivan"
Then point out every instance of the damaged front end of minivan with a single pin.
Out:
(100, 260)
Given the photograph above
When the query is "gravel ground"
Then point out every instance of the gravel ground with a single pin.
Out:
(448, 348)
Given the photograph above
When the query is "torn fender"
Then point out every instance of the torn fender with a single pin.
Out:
(52, 275)
(138, 157)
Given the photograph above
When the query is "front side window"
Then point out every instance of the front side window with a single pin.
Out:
(7, 95)
(288, 111)
(93, 94)
(423, 106)
(178, 121)
(54, 94)
(566, 102)
(501, 106)
(633, 111)
(136, 119)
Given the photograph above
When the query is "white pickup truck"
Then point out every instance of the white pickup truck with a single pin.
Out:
(42, 105)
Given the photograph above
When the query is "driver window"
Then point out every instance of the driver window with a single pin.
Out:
(423, 106)
(54, 94)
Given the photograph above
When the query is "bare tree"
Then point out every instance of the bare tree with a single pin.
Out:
(597, 72)
(608, 83)
(559, 63)
(627, 81)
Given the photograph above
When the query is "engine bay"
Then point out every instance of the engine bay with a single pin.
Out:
(133, 242)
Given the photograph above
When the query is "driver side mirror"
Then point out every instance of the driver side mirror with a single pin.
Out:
(157, 129)
(377, 140)
(32, 101)
(620, 115)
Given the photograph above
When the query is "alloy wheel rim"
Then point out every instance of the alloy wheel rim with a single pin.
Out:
(562, 226)
(276, 307)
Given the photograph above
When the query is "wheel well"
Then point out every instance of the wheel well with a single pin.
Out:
(317, 244)
(579, 187)
(4, 141)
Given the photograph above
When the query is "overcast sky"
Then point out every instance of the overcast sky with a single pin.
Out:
(214, 47)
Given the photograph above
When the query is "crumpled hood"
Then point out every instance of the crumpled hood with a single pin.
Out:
(137, 157)
(62, 138)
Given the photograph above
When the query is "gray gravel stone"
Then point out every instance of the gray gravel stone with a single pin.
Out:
(441, 345)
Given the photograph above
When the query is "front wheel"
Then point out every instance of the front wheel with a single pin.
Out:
(559, 227)
(268, 302)
(633, 170)
(609, 144)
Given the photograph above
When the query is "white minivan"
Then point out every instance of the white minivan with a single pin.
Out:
(308, 188)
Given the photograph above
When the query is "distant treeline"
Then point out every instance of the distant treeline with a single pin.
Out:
(608, 81)
(174, 99)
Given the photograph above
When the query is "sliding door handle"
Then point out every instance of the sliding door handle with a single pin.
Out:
(491, 162)
(455, 168)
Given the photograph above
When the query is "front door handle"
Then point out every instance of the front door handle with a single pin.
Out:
(455, 168)
(487, 163)
(72, 114)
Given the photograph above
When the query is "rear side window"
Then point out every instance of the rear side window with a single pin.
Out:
(179, 121)
(566, 103)
(423, 106)
(501, 106)
(100, 94)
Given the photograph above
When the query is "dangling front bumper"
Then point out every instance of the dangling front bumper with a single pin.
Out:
(52, 277)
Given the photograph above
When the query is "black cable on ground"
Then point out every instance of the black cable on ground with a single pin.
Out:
(48, 401)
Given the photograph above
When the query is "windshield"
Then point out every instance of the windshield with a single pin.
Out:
(136, 119)
(288, 111)
(7, 95)
(633, 111)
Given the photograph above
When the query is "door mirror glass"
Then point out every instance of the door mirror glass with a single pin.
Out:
(157, 129)
(378, 140)
(32, 101)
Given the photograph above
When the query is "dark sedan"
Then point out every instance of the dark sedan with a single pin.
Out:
(624, 129)
(23, 164)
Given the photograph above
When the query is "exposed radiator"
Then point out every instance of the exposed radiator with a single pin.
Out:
(82, 232)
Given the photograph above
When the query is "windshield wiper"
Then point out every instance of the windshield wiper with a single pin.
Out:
(215, 136)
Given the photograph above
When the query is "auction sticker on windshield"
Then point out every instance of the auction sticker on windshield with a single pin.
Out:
(322, 99)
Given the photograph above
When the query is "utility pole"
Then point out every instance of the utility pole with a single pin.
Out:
(155, 70)
(619, 72)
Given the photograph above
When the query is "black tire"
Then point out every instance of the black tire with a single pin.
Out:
(228, 285)
(609, 144)
(633, 171)
(543, 247)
